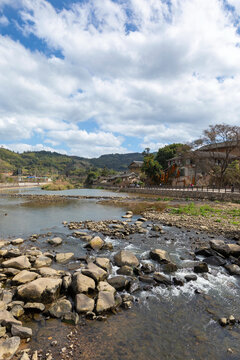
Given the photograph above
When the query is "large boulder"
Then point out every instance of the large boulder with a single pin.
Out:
(118, 282)
(103, 263)
(7, 319)
(21, 331)
(201, 268)
(24, 277)
(9, 347)
(48, 272)
(215, 260)
(63, 258)
(220, 247)
(40, 290)
(96, 243)
(160, 255)
(125, 270)
(233, 269)
(105, 301)
(82, 283)
(19, 262)
(161, 279)
(95, 272)
(105, 286)
(17, 241)
(234, 249)
(60, 308)
(34, 306)
(42, 261)
(55, 241)
(83, 303)
(125, 257)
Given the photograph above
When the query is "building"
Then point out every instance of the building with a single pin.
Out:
(136, 167)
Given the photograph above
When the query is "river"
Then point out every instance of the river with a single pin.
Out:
(172, 323)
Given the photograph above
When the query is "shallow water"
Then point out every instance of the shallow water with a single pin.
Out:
(171, 323)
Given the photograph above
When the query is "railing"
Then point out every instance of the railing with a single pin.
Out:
(229, 189)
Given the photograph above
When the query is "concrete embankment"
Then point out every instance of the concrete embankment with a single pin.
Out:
(181, 193)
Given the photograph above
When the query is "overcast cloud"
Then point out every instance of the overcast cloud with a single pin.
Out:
(105, 76)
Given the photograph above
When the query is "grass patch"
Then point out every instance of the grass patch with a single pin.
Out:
(193, 210)
(56, 186)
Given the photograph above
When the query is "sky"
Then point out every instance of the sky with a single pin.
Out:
(93, 77)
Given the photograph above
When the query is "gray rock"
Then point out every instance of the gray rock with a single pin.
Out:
(25, 356)
(34, 306)
(220, 247)
(55, 241)
(17, 241)
(190, 277)
(105, 286)
(125, 257)
(161, 279)
(104, 263)
(2, 331)
(17, 311)
(105, 301)
(24, 277)
(169, 268)
(7, 319)
(63, 258)
(42, 261)
(83, 303)
(67, 281)
(20, 262)
(96, 243)
(234, 249)
(6, 296)
(125, 270)
(233, 269)
(148, 268)
(201, 268)
(3, 306)
(215, 261)
(71, 318)
(11, 271)
(48, 272)
(21, 331)
(160, 255)
(95, 272)
(12, 253)
(118, 282)
(9, 347)
(40, 290)
(60, 308)
(82, 283)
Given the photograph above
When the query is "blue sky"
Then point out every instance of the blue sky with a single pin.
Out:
(93, 77)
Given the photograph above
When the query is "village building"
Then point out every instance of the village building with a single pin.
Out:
(136, 167)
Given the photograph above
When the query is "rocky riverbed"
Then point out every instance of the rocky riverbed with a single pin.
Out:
(75, 288)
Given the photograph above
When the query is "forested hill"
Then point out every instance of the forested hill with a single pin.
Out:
(45, 162)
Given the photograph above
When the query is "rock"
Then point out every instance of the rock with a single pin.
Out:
(55, 241)
(82, 283)
(160, 255)
(66, 282)
(133, 286)
(35, 355)
(223, 321)
(215, 261)
(24, 277)
(6, 296)
(105, 286)
(118, 282)
(83, 303)
(233, 269)
(190, 277)
(178, 282)
(105, 301)
(20, 262)
(156, 228)
(60, 308)
(125, 270)
(63, 258)
(104, 263)
(40, 290)
(146, 279)
(96, 243)
(6, 319)
(220, 247)
(17, 311)
(148, 268)
(13, 253)
(95, 272)
(17, 241)
(125, 257)
(25, 356)
(2, 331)
(162, 279)
(11, 271)
(204, 251)
(34, 306)
(48, 272)
(9, 347)
(42, 261)
(21, 331)
(3, 306)
(127, 216)
(232, 319)
(201, 268)
(234, 249)
(170, 267)
(4, 243)
(71, 318)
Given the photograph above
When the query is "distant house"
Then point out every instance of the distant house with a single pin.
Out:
(194, 166)
(124, 179)
(136, 166)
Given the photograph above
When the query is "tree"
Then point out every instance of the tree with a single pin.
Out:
(232, 174)
(152, 169)
(220, 141)
(168, 152)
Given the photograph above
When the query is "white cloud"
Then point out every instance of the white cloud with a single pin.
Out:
(165, 82)
(3, 20)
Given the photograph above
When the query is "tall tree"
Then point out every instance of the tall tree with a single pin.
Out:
(166, 153)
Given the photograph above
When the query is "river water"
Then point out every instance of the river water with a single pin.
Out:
(164, 323)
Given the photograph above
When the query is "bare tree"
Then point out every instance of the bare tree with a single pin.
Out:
(222, 141)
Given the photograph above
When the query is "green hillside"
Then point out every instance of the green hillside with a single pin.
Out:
(42, 163)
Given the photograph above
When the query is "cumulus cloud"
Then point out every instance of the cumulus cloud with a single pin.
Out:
(160, 71)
